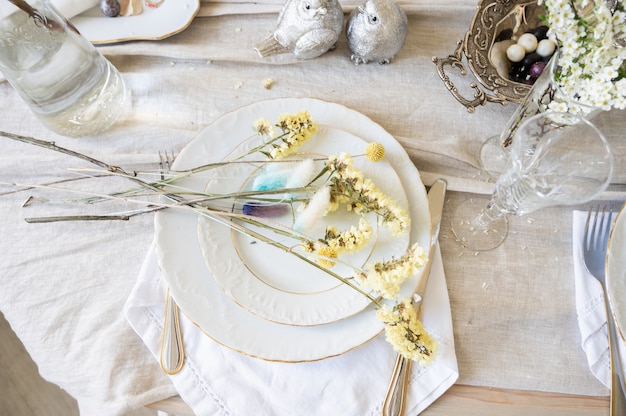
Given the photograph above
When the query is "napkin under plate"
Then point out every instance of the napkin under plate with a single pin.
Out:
(218, 381)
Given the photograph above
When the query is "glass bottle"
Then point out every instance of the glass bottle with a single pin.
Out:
(62, 77)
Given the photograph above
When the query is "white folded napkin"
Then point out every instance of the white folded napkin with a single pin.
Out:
(216, 380)
(591, 310)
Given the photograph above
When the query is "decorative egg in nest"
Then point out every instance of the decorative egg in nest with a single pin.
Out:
(521, 52)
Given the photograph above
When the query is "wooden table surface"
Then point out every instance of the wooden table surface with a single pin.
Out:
(479, 401)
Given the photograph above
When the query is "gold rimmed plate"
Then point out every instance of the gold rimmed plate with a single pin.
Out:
(276, 285)
(198, 294)
(170, 18)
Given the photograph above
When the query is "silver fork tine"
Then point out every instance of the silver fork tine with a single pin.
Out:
(587, 234)
(162, 165)
(170, 159)
(166, 159)
(608, 222)
(597, 227)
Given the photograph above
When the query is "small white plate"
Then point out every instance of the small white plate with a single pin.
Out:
(616, 271)
(278, 286)
(171, 17)
(198, 294)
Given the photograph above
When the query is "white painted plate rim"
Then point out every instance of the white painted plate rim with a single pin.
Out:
(616, 271)
(170, 18)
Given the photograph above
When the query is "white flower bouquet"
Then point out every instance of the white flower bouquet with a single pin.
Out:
(591, 35)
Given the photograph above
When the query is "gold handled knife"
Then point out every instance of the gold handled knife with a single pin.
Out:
(395, 400)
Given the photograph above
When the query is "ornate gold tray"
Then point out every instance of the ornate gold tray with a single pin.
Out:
(492, 17)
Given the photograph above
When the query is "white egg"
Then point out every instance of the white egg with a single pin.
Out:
(515, 52)
(546, 47)
(528, 41)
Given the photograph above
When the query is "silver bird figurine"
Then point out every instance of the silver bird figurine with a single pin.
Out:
(376, 31)
(306, 28)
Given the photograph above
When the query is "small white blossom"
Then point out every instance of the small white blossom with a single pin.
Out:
(590, 65)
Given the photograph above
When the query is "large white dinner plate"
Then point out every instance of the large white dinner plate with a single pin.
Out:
(171, 17)
(276, 285)
(198, 294)
(616, 271)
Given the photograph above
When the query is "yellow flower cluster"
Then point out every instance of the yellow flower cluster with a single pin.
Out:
(385, 277)
(326, 253)
(336, 243)
(344, 184)
(350, 241)
(297, 129)
(349, 186)
(405, 332)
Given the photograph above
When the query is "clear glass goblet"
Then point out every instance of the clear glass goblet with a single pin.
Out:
(545, 92)
(555, 159)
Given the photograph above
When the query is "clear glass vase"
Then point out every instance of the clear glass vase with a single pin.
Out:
(62, 77)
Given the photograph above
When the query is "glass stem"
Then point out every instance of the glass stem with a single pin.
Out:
(492, 212)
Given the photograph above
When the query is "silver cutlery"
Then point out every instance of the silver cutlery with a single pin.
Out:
(395, 399)
(172, 352)
(595, 242)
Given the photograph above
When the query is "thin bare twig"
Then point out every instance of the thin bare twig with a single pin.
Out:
(222, 217)
(40, 220)
(53, 146)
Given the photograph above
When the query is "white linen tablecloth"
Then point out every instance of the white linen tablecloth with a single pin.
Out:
(64, 285)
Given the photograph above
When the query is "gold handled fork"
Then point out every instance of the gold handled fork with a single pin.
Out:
(595, 242)
(172, 353)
